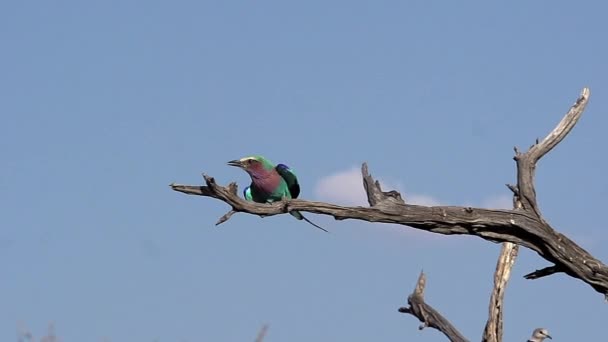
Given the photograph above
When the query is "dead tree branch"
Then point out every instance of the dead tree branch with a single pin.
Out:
(262, 333)
(508, 254)
(524, 227)
(417, 306)
(427, 315)
(526, 162)
(504, 265)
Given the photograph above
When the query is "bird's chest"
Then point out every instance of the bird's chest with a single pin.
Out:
(269, 190)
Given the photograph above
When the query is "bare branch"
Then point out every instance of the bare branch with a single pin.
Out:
(522, 227)
(225, 218)
(496, 225)
(504, 265)
(547, 271)
(508, 254)
(262, 333)
(513, 189)
(526, 162)
(427, 315)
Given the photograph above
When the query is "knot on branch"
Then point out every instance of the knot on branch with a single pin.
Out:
(210, 181)
(233, 188)
(517, 153)
(284, 204)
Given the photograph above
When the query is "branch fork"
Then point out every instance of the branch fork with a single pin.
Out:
(523, 225)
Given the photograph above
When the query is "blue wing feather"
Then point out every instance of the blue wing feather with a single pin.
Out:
(247, 193)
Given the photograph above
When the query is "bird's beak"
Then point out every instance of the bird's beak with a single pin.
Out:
(549, 336)
(236, 163)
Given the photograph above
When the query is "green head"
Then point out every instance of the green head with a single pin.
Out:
(256, 166)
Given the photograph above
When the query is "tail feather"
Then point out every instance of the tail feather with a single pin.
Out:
(299, 216)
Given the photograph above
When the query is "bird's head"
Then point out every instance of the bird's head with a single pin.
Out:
(254, 165)
(541, 333)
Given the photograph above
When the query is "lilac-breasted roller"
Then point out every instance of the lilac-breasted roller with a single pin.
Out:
(270, 183)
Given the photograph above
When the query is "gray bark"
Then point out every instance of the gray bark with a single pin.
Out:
(522, 226)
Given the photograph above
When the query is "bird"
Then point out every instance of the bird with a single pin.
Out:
(270, 183)
(539, 335)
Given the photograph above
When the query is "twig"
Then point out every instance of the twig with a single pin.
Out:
(225, 218)
(526, 162)
(547, 271)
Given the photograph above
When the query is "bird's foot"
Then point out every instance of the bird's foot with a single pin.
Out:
(285, 204)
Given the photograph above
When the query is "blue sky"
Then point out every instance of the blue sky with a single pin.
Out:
(103, 104)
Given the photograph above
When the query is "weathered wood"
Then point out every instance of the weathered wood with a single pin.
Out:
(508, 254)
(526, 162)
(524, 227)
(496, 225)
(493, 330)
(427, 315)
(417, 306)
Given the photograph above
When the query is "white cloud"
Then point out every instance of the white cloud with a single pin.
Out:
(421, 200)
(498, 202)
(346, 187)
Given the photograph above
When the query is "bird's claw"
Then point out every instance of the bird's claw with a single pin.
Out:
(285, 204)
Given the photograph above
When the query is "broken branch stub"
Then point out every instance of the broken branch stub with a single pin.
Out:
(428, 316)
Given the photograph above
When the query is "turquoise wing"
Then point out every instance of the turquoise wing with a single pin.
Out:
(247, 194)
